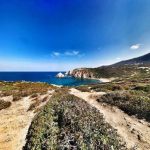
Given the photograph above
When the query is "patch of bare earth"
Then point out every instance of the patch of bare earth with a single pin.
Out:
(15, 121)
(134, 132)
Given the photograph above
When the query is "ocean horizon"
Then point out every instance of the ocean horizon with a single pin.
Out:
(44, 76)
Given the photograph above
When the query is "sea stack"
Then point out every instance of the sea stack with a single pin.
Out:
(60, 75)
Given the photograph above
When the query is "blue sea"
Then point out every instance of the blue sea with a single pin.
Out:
(48, 77)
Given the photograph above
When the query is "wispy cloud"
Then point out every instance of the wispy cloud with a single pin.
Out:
(135, 46)
(67, 53)
(72, 53)
(118, 58)
(56, 54)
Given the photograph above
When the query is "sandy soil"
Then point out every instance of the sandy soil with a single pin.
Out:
(135, 133)
(15, 121)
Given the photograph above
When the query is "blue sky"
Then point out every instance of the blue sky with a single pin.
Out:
(51, 35)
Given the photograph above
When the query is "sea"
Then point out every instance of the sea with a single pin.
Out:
(47, 77)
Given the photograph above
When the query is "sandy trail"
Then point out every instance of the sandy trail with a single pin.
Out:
(14, 123)
(135, 133)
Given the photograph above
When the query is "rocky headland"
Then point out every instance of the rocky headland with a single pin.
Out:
(81, 73)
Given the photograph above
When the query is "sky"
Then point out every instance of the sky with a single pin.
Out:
(59, 35)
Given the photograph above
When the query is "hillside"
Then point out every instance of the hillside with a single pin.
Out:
(142, 60)
(126, 68)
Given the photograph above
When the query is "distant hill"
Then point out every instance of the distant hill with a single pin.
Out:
(142, 60)
(121, 69)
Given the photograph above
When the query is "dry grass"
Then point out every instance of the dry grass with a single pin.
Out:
(24, 89)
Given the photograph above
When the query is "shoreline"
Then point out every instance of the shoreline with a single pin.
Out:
(57, 85)
(100, 80)
(106, 80)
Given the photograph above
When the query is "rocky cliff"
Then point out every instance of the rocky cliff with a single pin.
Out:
(81, 73)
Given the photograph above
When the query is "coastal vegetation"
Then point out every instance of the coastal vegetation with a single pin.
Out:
(131, 102)
(67, 122)
(18, 90)
(23, 89)
(19, 103)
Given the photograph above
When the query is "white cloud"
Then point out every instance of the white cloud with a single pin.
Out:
(118, 58)
(67, 53)
(56, 53)
(136, 46)
(72, 53)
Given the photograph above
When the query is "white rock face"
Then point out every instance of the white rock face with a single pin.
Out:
(60, 75)
(81, 73)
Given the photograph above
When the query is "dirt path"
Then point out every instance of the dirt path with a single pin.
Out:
(134, 132)
(14, 123)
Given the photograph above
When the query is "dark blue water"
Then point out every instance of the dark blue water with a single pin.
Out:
(48, 77)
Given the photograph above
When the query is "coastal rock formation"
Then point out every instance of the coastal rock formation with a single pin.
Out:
(81, 73)
(60, 75)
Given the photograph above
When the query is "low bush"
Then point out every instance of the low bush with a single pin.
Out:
(83, 88)
(16, 97)
(45, 99)
(23, 89)
(130, 103)
(108, 87)
(34, 95)
(4, 104)
(145, 88)
(32, 106)
(35, 104)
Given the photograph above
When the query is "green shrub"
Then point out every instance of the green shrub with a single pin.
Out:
(83, 88)
(130, 103)
(106, 87)
(67, 122)
(145, 88)
(23, 89)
